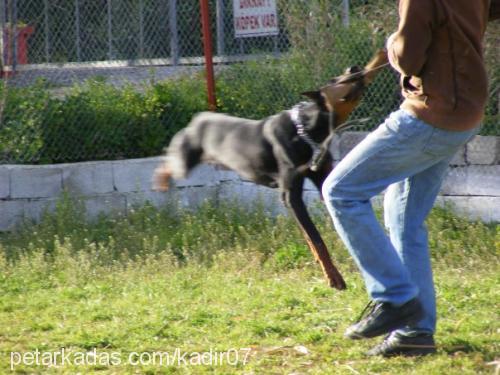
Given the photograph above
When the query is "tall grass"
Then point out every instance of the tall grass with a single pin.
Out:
(199, 236)
(224, 277)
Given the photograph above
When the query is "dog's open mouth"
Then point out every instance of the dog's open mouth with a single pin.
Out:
(343, 93)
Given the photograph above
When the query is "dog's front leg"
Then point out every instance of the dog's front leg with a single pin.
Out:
(293, 199)
(290, 182)
(319, 176)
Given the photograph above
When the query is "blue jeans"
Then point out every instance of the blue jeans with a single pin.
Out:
(409, 158)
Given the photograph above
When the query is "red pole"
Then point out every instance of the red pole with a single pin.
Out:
(207, 47)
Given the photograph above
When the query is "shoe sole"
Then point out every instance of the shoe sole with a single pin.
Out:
(409, 353)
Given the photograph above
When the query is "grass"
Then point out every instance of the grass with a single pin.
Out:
(226, 280)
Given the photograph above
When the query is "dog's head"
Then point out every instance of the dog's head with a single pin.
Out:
(343, 93)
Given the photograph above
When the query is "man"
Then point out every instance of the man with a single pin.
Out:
(437, 49)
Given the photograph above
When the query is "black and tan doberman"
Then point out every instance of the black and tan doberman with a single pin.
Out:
(279, 151)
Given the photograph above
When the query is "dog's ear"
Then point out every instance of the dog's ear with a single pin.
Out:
(314, 95)
(335, 93)
(329, 95)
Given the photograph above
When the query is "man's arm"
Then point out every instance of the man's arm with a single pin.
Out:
(407, 47)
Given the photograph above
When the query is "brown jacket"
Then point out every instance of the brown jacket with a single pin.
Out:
(438, 51)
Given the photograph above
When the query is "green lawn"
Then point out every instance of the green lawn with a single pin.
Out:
(235, 284)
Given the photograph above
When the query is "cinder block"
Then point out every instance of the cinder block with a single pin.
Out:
(34, 209)
(4, 182)
(312, 198)
(477, 180)
(309, 186)
(105, 204)
(484, 180)
(455, 182)
(203, 175)
(135, 174)
(35, 182)
(483, 150)
(88, 178)
(249, 194)
(12, 214)
(224, 174)
(194, 196)
(473, 208)
(335, 147)
(459, 157)
(157, 199)
(349, 140)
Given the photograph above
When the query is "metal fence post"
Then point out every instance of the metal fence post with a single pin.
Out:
(77, 31)
(141, 29)
(220, 27)
(174, 34)
(13, 35)
(110, 30)
(2, 27)
(345, 13)
(47, 30)
(207, 48)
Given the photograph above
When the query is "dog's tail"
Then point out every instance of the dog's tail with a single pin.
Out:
(161, 177)
(181, 157)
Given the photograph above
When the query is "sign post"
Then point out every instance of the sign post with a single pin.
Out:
(207, 48)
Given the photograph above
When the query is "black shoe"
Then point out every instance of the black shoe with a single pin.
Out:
(384, 318)
(408, 346)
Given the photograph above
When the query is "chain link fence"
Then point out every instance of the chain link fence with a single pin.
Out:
(111, 79)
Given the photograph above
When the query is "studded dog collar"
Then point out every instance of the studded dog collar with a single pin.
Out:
(302, 133)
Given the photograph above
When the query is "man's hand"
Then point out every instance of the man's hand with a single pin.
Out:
(388, 47)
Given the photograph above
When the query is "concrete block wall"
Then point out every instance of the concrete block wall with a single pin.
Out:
(472, 186)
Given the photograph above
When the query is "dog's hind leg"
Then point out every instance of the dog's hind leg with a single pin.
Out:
(316, 244)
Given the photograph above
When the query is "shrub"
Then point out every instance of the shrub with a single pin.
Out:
(95, 120)
(21, 117)
(259, 88)
(99, 120)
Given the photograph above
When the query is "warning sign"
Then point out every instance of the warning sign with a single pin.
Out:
(255, 18)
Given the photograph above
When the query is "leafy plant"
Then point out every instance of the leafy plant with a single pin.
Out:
(95, 120)
(21, 121)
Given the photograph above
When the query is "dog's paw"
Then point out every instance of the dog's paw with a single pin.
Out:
(161, 179)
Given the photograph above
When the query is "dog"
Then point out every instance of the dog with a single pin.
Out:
(279, 151)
